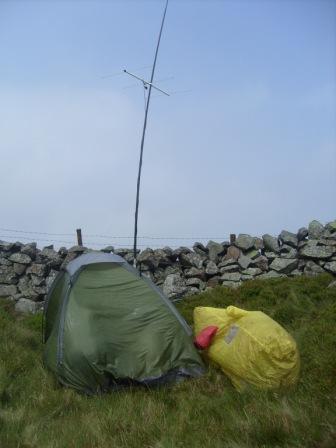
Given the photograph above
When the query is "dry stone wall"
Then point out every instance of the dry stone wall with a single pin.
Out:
(27, 272)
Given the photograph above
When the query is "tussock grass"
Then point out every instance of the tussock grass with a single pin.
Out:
(36, 412)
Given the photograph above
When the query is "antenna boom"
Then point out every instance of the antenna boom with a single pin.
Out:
(146, 82)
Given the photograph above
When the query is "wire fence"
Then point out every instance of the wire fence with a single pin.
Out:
(118, 241)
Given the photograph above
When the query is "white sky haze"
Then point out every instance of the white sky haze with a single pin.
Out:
(249, 148)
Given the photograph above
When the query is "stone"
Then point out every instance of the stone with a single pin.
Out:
(252, 272)
(6, 247)
(37, 281)
(244, 241)
(174, 286)
(261, 262)
(122, 251)
(302, 244)
(41, 291)
(331, 226)
(213, 281)
(271, 243)
(232, 252)
(244, 262)
(195, 282)
(270, 274)
(231, 276)
(295, 273)
(331, 267)
(17, 297)
(147, 258)
(225, 244)
(200, 249)
(175, 269)
(5, 262)
(37, 269)
(253, 253)
(168, 251)
(258, 244)
(229, 284)
(284, 265)
(194, 272)
(315, 230)
(129, 258)
(26, 288)
(142, 267)
(67, 259)
(8, 276)
(170, 254)
(288, 238)
(211, 268)
(181, 250)
(191, 260)
(148, 275)
(246, 277)
(327, 235)
(191, 292)
(159, 276)
(107, 249)
(215, 250)
(29, 249)
(63, 251)
(327, 241)
(287, 251)
(8, 291)
(311, 269)
(228, 262)
(20, 258)
(230, 268)
(77, 249)
(301, 264)
(312, 250)
(50, 256)
(51, 277)
(26, 306)
(332, 284)
(271, 255)
(162, 258)
(19, 269)
(302, 234)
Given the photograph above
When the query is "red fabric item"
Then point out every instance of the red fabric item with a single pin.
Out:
(204, 338)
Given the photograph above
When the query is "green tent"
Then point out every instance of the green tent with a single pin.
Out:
(107, 326)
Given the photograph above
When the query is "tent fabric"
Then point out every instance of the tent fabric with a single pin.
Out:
(107, 327)
(93, 257)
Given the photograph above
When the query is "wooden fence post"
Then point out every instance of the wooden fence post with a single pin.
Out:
(79, 237)
(232, 238)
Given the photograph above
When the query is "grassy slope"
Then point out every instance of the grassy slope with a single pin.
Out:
(36, 412)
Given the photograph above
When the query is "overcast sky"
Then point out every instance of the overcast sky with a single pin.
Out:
(247, 144)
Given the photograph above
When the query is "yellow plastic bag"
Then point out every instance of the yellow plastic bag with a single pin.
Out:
(250, 347)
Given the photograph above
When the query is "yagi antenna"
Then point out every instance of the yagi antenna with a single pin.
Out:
(146, 83)
(150, 85)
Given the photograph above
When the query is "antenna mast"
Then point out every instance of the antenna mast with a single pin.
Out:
(150, 85)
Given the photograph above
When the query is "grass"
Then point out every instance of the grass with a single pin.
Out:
(36, 412)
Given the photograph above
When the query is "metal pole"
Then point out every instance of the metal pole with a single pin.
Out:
(143, 137)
